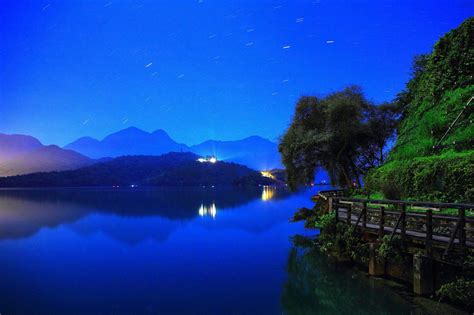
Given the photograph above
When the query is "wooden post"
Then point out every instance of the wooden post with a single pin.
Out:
(452, 237)
(429, 232)
(462, 230)
(381, 222)
(376, 268)
(423, 275)
(331, 208)
(403, 227)
(349, 214)
(364, 218)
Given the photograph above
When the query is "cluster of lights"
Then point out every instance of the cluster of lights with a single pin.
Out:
(208, 159)
(267, 174)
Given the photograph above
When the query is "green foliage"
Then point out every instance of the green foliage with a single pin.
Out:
(390, 250)
(423, 164)
(426, 123)
(343, 133)
(343, 238)
(324, 221)
(440, 87)
(338, 236)
(468, 264)
(460, 292)
(446, 177)
(302, 214)
(391, 191)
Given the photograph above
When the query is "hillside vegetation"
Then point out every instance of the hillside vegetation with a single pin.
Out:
(430, 160)
(172, 169)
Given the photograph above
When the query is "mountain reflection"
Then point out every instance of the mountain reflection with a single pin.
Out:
(24, 212)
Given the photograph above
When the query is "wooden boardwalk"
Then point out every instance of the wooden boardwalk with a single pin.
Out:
(419, 222)
(389, 230)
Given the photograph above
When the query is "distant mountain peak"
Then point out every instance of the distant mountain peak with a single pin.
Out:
(257, 138)
(129, 141)
(15, 145)
(132, 128)
(24, 154)
(85, 140)
(128, 131)
(159, 131)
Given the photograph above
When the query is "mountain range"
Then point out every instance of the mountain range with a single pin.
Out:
(130, 141)
(255, 152)
(21, 154)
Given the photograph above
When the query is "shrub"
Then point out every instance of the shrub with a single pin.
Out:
(302, 214)
(391, 191)
(390, 250)
(324, 221)
(445, 177)
(460, 292)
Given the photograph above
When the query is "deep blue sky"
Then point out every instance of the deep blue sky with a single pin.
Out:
(200, 69)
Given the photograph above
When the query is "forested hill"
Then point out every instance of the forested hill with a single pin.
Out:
(175, 169)
(433, 157)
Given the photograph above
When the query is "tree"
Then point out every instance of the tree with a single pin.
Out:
(383, 121)
(408, 95)
(344, 133)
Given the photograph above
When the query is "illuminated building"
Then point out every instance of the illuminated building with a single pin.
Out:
(267, 174)
(208, 159)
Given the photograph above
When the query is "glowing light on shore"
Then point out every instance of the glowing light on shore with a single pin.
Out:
(268, 193)
(209, 159)
(208, 210)
(267, 174)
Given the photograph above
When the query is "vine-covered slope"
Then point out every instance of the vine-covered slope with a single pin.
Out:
(433, 157)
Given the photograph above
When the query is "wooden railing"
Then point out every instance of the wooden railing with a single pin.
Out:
(325, 194)
(422, 222)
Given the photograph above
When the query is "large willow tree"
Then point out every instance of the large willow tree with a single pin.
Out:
(343, 132)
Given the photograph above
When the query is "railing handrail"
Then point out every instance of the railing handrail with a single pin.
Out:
(412, 203)
(331, 191)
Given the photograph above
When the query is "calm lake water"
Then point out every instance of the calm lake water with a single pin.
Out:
(170, 251)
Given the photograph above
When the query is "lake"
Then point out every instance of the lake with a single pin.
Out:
(171, 251)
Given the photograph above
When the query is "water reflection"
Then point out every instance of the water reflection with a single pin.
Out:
(90, 249)
(24, 212)
(268, 193)
(81, 261)
(315, 285)
(210, 210)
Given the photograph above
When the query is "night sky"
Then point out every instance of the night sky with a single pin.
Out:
(200, 69)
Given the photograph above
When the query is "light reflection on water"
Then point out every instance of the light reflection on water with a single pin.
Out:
(268, 193)
(210, 210)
